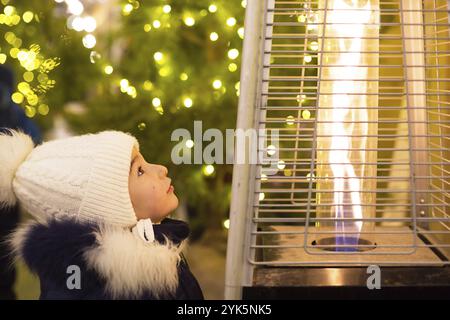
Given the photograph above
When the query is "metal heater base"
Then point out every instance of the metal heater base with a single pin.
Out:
(299, 283)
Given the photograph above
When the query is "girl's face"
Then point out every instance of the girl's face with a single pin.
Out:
(151, 192)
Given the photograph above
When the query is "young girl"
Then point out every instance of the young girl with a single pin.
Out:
(101, 230)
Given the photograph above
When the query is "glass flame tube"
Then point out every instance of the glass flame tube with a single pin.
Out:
(347, 121)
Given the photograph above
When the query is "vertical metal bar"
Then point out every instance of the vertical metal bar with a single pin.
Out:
(316, 118)
(300, 108)
(439, 102)
(237, 265)
(413, 33)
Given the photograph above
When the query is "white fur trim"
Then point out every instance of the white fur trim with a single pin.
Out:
(131, 267)
(17, 238)
(15, 147)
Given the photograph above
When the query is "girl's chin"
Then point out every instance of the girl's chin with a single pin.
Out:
(175, 200)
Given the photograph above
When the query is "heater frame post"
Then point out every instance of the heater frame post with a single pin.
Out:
(239, 271)
(414, 69)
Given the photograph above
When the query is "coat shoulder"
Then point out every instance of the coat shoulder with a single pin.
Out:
(109, 257)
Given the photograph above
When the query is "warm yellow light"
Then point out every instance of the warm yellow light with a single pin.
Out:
(217, 84)
(148, 85)
(9, 10)
(271, 150)
(244, 3)
(89, 41)
(189, 144)
(160, 110)
(301, 18)
(167, 8)
(306, 114)
(108, 69)
(233, 54)
(156, 24)
(263, 177)
(22, 55)
(158, 56)
(287, 172)
(43, 109)
(232, 67)
(3, 58)
(89, 24)
(30, 112)
(231, 21)
(241, 32)
(126, 10)
(184, 76)
(189, 21)
(24, 87)
(156, 102)
(165, 71)
(301, 98)
(213, 36)
(226, 224)
(27, 16)
(75, 7)
(208, 170)
(17, 97)
(212, 8)
(290, 120)
(94, 56)
(131, 91)
(187, 102)
(261, 196)
(14, 52)
(281, 165)
(32, 99)
(314, 46)
(307, 58)
(10, 37)
(28, 76)
(76, 23)
(147, 27)
(124, 83)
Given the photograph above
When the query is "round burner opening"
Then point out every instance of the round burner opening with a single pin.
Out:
(348, 244)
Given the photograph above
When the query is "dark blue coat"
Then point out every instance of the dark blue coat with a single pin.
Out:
(111, 262)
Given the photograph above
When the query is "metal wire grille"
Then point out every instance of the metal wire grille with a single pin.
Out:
(395, 86)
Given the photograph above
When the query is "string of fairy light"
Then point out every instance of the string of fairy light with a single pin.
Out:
(31, 92)
(35, 81)
(79, 21)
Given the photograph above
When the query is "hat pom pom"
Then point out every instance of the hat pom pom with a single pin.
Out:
(15, 147)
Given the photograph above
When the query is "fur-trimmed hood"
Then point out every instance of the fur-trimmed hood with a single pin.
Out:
(113, 261)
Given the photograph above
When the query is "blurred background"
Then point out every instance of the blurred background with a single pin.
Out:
(146, 67)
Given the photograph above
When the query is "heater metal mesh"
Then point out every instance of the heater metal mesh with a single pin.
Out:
(410, 224)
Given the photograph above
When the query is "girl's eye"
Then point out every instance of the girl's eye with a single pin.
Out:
(140, 172)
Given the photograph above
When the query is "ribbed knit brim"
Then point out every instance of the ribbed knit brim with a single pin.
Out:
(108, 198)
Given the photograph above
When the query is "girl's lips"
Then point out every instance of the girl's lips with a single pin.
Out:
(171, 188)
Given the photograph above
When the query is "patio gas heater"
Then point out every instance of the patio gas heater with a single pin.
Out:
(359, 94)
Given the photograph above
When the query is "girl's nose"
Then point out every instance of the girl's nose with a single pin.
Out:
(163, 171)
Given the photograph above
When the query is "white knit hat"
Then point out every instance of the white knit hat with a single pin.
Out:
(83, 177)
